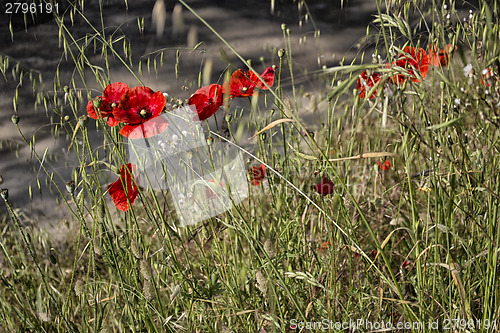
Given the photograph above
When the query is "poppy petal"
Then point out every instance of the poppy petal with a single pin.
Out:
(267, 76)
(112, 122)
(114, 92)
(365, 83)
(207, 100)
(325, 187)
(257, 174)
(384, 166)
(91, 111)
(124, 190)
(412, 60)
(146, 130)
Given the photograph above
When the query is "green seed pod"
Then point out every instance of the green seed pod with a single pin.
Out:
(281, 53)
(53, 257)
(15, 119)
(148, 290)
(101, 208)
(177, 290)
(97, 102)
(269, 248)
(136, 249)
(146, 270)
(70, 187)
(261, 282)
(79, 288)
(98, 249)
(83, 120)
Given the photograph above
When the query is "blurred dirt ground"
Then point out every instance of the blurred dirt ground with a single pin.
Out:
(249, 27)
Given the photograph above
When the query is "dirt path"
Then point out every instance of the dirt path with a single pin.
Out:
(250, 29)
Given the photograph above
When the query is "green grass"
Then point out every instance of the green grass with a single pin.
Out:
(417, 243)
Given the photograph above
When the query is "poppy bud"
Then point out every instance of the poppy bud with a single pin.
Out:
(53, 257)
(283, 26)
(66, 89)
(229, 118)
(210, 140)
(4, 193)
(66, 118)
(15, 119)
(70, 187)
(97, 102)
(281, 53)
(83, 120)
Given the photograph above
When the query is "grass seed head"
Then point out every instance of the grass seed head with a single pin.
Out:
(146, 270)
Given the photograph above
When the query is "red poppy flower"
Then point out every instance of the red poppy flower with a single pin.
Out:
(207, 100)
(384, 166)
(365, 84)
(325, 187)
(124, 190)
(413, 60)
(239, 85)
(257, 174)
(137, 106)
(110, 100)
(242, 84)
(441, 57)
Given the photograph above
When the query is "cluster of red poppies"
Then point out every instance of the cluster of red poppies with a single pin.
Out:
(133, 107)
(415, 62)
(138, 108)
(209, 99)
